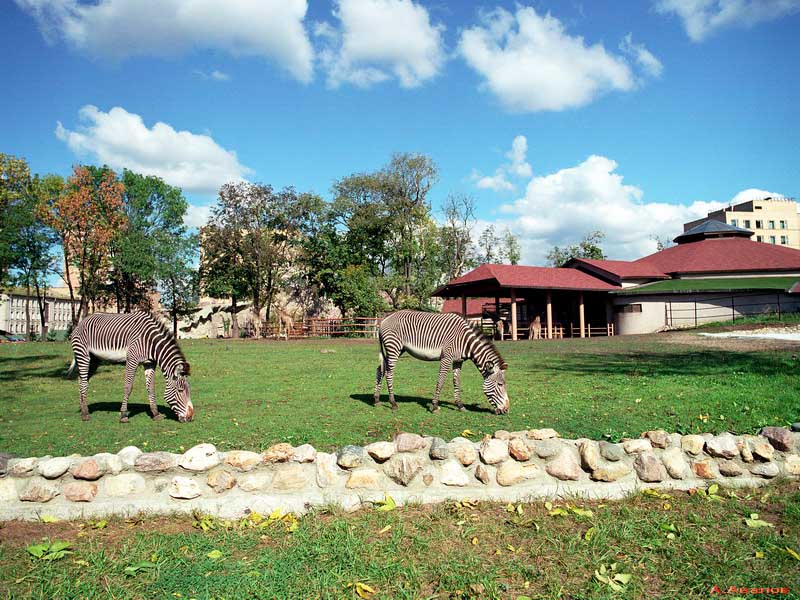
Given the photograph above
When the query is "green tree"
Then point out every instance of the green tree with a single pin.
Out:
(458, 253)
(511, 248)
(357, 293)
(176, 277)
(15, 191)
(588, 247)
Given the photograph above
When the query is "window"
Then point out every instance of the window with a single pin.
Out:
(759, 238)
(772, 239)
(772, 224)
(747, 223)
(783, 224)
(784, 240)
(629, 308)
(759, 224)
(735, 222)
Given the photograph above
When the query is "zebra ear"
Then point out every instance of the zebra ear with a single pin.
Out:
(503, 366)
(182, 370)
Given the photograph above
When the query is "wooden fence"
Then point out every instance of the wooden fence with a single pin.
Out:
(317, 327)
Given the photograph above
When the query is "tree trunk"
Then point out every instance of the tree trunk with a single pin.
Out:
(28, 309)
(235, 319)
(68, 279)
(42, 310)
(174, 314)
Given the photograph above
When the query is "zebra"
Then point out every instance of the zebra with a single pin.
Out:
(132, 339)
(451, 340)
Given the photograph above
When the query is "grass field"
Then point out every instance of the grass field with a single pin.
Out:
(250, 394)
(673, 548)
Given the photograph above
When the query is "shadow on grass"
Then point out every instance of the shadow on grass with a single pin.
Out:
(425, 403)
(133, 409)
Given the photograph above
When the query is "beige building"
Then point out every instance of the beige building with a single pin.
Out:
(14, 305)
(772, 220)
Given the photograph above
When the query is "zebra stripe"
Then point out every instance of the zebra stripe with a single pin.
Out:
(134, 339)
(448, 338)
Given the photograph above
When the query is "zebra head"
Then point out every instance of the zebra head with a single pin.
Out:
(494, 386)
(178, 395)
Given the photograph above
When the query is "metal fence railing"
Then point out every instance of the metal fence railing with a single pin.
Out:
(736, 306)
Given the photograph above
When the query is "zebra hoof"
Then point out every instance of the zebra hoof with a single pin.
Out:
(86, 417)
(435, 409)
(158, 417)
(123, 419)
(376, 403)
(394, 406)
(462, 409)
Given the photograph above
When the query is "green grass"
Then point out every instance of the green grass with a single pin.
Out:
(720, 284)
(250, 394)
(447, 551)
(785, 320)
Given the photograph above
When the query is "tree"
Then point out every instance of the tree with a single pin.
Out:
(222, 272)
(457, 249)
(588, 247)
(511, 248)
(177, 280)
(15, 185)
(357, 293)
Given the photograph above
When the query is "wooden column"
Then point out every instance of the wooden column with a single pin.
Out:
(514, 314)
(581, 314)
(549, 316)
(464, 306)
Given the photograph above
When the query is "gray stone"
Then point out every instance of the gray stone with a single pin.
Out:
(409, 442)
(565, 466)
(220, 480)
(39, 490)
(88, 470)
(590, 455)
(765, 470)
(659, 438)
(277, 453)
(463, 450)
(364, 478)
(243, 460)
(80, 491)
(109, 463)
(452, 474)
(304, 453)
(4, 458)
(722, 446)
(8, 490)
(779, 437)
(155, 462)
(403, 467)
(796, 426)
(675, 440)
(706, 469)
(519, 449)
(649, 468)
(54, 468)
(350, 457)
(252, 482)
(502, 434)
(611, 471)
(693, 444)
(637, 446)
(510, 472)
(493, 451)
(485, 473)
(542, 434)
(439, 449)
(761, 448)
(531, 471)
(128, 456)
(22, 467)
(547, 448)
(200, 458)
(124, 484)
(612, 452)
(381, 451)
(744, 449)
(792, 465)
(290, 477)
(184, 488)
(675, 463)
(327, 470)
(729, 468)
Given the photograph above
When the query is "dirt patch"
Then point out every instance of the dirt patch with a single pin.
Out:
(734, 344)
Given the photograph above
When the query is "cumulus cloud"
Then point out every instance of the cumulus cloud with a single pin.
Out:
(118, 29)
(197, 215)
(213, 75)
(649, 63)
(559, 208)
(376, 40)
(530, 63)
(191, 161)
(517, 166)
(702, 18)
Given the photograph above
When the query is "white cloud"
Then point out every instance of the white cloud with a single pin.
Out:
(379, 39)
(517, 166)
(753, 194)
(213, 75)
(191, 161)
(196, 215)
(531, 64)
(559, 208)
(649, 63)
(118, 29)
(701, 18)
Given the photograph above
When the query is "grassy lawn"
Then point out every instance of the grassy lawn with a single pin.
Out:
(673, 548)
(250, 394)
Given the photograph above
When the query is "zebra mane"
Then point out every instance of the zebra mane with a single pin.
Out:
(478, 330)
(164, 330)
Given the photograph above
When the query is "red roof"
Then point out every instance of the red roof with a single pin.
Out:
(517, 276)
(474, 305)
(723, 255)
(624, 269)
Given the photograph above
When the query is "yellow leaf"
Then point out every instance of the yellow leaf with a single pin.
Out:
(48, 519)
(386, 504)
(214, 554)
(496, 552)
(759, 554)
(548, 505)
(276, 514)
(474, 541)
(467, 433)
(363, 590)
(792, 553)
(511, 548)
(385, 529)
(589, 534)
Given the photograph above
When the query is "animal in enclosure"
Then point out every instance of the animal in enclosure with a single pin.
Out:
(285, 323)
(445, 337)
(133, 339)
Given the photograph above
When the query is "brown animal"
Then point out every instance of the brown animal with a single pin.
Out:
(536, 328)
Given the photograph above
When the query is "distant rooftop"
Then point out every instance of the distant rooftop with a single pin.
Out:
(712, 228)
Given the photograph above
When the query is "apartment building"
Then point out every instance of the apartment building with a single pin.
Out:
(15, 304)
(772, 220)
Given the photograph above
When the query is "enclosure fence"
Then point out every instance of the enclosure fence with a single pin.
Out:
(681, 314)
(319, 327)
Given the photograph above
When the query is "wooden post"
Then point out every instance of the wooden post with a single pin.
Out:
(549, 316)
(581, 314)
(513, 314)
(463, 306)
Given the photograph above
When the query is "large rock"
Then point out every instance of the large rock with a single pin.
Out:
(779, 437)
(243, 460)
(493, 451)
(745, 450)
(542, 434)
(729, 468)
(364, 477)
(350, 457)
(381, 451)
(565, 466)
(409, 442)
(200, 458)
(290, 477)
(220, 480)
(439, 450)
(761, 448)
(693, 444)
(485, 474)
(109, 463)
(463, 450)
(253, 482)
(502, 434)
(128, 456)
(80, 491)
(53, 468)
(590, 455)
(547, 448)
(403, 467)
(276, 453)
(658, 438)
(8, 490)
(124, 484)
(706, 469)
(184, 488)
(22, 467)
(327, 470)
(765, 470)
(519, 449)
(612, 452)
(452, 474)
(637, 446)
(675, 463)
(611, 471)
(305, 453)
(4, 458)
(39, 490)
(792, 465)
(510, 472)
(649, 468)
(155, 462)
(722, 446)
(87, 470)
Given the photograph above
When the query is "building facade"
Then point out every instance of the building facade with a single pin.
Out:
(772, 220)
(15, 304)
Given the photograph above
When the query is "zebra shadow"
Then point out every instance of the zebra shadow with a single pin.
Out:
(134, 409)
(425, 403)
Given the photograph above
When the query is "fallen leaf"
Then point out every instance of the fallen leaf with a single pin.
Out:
(386, 504)
(214, 554)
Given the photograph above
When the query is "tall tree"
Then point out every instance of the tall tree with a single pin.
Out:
(222, 270)
(15, 187)
(588, 247)
(177, 279)
(511, 248)
(458, 251)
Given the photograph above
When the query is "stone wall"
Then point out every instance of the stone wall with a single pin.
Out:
(510, 466)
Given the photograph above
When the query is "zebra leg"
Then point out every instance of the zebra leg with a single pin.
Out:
(457, 385)
(390, 365)
(130, 374)
(83, 374)
(149, 377)
(444, 367)
(378, 379)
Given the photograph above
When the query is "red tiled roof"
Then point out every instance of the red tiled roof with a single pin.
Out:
(518, 276)
(474, 305)
(624, 269)
(723, 255)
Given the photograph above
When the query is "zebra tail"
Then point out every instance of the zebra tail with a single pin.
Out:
(71, 371)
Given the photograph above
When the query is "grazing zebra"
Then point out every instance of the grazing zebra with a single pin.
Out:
(451, 340)
(132, 339)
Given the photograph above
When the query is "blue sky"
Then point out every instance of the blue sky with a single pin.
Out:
(558, 117)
